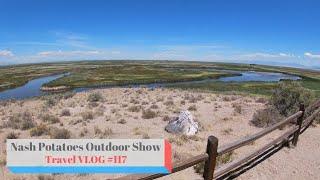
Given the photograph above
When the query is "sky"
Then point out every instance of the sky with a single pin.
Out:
(274, 32)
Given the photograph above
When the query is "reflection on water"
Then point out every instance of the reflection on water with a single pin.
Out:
(259, 76)
(32, 88)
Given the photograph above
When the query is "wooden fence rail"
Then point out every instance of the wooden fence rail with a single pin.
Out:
(212, 152)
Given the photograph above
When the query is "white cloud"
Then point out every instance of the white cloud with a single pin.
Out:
(310, 55)
(67, 53)
(267, 55)
(6, 53)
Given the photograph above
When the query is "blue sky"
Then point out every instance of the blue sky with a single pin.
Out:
(267, 32)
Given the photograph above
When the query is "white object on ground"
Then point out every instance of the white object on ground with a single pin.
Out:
(184, 124)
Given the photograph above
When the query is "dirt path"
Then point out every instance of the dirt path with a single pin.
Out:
(301, 162)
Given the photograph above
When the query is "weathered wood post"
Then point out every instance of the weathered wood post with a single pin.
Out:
(210, 164)
(299, 123)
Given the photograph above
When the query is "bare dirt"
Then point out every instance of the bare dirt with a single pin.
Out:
(123, 113)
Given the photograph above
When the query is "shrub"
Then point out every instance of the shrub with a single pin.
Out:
(192, 108)
(65, 112)
(56, 133)
(97, 130)
(45, 177)
(148, 114)
(237, 108)
(266, 117)
(50, 118)
(154, 106)
(169, 103)
(134, 108)
(134, 101)
(87, 115)
(225, 158)
(107, 132)
(39, 130)
(145, 136)
(261, 100)
(12, 135)
(166, 118)
(122, 121)
(51, 101)
(95, 97)
(288, 95)
(21, 121)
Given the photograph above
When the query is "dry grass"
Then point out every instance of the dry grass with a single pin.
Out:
(21, 121)
(65, 112)
(56, 133)
(192, 108)
(87, 115)
(122, 121)
(95, 97)
(134, 108)
(39, 130)
(148, 114)
(49, 118)
(12, 135)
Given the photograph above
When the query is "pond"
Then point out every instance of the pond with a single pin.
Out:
(32, 88)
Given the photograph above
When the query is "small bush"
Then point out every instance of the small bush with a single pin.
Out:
(95, 97)
(145, 136)
(93, 104)
(226, 158)
(56, 133)
(226, 98)
(148, 114)
(192, 108)
(97, 130)
(237, 108)
(134, 101)
(154, 106)
(134, 108)
(45, 177)
(166, 118)
(50, 118)
(51, 101)
(169, 103)
(287, 97)
(122, 121)
(12, 135)
(107, 133)
(261, 100)
(39, 130)
(87, 115)
(266, 117)
(65, 112)
(21, 121)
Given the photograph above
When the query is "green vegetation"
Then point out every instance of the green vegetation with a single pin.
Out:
(285, 101)
(102, 73)
(288, 96)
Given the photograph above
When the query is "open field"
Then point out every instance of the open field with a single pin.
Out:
(102, 73)
(144, 113)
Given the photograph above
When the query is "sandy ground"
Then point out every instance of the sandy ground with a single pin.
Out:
(120, 115)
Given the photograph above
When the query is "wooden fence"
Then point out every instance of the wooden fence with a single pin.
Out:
(213, 151)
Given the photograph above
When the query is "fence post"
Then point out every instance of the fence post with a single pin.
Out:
(299, 123)
(210, 164)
